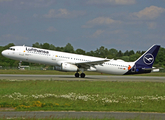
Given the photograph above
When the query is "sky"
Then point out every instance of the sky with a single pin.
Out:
(85, 24)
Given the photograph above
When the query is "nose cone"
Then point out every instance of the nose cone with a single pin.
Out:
(4, 53)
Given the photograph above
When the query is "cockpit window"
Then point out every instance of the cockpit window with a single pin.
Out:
(12, 49)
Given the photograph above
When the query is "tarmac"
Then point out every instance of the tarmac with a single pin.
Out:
(81, 114)
(88, 77)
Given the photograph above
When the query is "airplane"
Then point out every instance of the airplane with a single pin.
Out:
(70, 62)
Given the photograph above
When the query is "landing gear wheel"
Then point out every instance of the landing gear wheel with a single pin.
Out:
(82, 75)
(76, 74)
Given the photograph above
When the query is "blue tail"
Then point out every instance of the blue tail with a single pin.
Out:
(144, 63)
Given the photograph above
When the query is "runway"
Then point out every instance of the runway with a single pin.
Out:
(88, 77)
(81, 114)
(78, 115)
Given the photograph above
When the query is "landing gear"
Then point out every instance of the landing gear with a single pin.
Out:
(77, 74)
(19, 64)
(82, 75)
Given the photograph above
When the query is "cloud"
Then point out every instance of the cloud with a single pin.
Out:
(100, 21)
(148, 13)
(63, 13)
(151, 25)
(51, 29)
(111, 2)
(97, 33)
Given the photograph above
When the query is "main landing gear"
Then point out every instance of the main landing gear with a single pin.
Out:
(82, 75)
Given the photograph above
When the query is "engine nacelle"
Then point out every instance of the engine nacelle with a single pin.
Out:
(92, 69)
(66, 67)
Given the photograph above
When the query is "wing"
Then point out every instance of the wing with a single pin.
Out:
(87, 64)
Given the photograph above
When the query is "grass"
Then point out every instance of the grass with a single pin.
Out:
(82, 95)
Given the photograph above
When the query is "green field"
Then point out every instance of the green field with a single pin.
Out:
(30, 95)
(82, 95)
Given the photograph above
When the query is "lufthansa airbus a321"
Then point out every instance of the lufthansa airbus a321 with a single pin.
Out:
(63, 61)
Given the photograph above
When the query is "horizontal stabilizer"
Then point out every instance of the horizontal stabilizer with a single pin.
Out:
(153, 69)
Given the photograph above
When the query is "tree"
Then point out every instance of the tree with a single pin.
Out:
(101, 52)
(37, 45)
(59, 49)
(125, 58)
(80, 51)
(45, 46)
(126, 53)
(91, 53)
(69, 48)
(131, 52)
(134, 57)
(113, 52)
(138, 52)
(119, 54)
(160, 59)
(52, 47)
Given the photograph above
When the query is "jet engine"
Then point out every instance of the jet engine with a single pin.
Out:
(66, 67)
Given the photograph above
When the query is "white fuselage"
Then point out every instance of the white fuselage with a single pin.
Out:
(55, 58)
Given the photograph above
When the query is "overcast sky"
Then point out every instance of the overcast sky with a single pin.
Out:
(86, 24)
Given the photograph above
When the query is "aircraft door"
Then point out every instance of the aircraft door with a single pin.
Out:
(21, 51)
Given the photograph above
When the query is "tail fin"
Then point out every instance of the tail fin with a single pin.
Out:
(148, 58)
(145, 62)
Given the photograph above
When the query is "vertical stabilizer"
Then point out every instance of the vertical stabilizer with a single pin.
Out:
(145, 62)
(148, 58)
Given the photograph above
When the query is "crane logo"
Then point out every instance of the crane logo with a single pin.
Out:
(148, 59)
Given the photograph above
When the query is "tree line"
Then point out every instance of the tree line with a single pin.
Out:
(128, 55)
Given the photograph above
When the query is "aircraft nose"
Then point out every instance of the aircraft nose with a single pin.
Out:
(4, 53)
